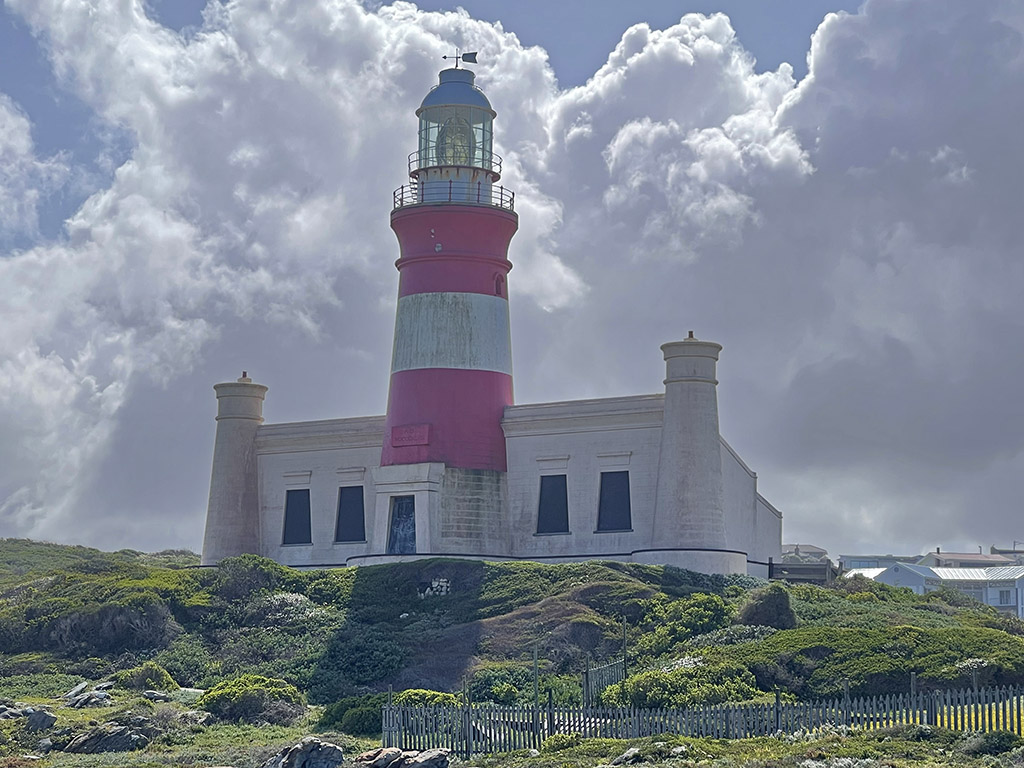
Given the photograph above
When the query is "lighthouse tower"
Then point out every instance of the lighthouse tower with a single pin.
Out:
(441, 484)
(451, 369)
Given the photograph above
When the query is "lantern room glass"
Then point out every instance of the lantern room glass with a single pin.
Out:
(456, 135)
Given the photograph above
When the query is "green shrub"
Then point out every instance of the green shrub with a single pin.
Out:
(500, 683)
(990, 743)
(556, 742)
(362, 721)
(694, 684)
(146, 676)
(421, 697)
(187, 660)
(769, 607)
(250, 698)
(333, 714)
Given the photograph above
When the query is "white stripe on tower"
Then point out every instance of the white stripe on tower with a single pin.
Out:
(465, 331)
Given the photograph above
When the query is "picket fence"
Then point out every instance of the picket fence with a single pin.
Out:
(488, 728)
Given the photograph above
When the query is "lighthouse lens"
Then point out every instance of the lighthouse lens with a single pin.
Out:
(455, 142)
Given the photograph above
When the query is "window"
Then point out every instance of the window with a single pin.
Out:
(1004, 597)
(553, 510)
(350, 525)
(296, 517)
(613, 508)
(402, 526)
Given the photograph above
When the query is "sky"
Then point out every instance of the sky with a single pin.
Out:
(189, 189)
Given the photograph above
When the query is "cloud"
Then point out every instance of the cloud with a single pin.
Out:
(851, 239)
(25, 179)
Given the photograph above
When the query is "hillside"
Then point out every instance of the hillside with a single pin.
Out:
(69, 614)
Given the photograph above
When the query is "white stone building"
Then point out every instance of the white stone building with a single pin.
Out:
(456, 469)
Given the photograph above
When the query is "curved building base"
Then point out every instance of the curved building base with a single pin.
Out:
(702, 560)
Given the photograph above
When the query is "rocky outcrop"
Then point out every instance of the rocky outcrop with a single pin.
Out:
(108, 737)
(40, 720)
(311, 752)
(392, 757)
(90, 699)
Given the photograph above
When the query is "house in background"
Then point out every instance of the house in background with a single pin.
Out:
(1000, 587)
(881, 562)
(939, 559)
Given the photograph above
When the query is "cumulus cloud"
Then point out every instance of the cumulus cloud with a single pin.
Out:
(25, 179)
(850, 238)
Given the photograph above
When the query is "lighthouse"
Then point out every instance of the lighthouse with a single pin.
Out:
(451, 366)
(455, 468)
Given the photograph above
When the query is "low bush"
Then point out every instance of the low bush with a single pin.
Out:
(333, 715)
(990, 743)
(147, 676)
(421, 697)
(693, 684)
(769, 607)
(362, 721)
(251, 698)
(556, 742)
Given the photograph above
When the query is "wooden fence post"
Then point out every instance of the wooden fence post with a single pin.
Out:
(778, 710)
(846, 701)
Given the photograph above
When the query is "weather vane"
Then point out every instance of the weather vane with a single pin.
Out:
(465, 58)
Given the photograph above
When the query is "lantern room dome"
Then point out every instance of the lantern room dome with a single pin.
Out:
(455, 87)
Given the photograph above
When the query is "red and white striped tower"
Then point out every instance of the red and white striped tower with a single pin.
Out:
(451, 369)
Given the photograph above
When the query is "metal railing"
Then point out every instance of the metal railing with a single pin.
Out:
(419, 160)
(460, 192)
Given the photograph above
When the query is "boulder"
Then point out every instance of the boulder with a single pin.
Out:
(75, 691)
(107, 738)
(104, 686)
(428, 758)
(196, 717)
(308, 753)
(91, 699)
(380, 758)
(40, 720)
(631, 755)
(10, 713)
(157, 695)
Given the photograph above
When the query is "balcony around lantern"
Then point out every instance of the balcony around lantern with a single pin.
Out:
(454, 192)
(426, 159)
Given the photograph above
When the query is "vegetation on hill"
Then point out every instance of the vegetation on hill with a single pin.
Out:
(339, 638)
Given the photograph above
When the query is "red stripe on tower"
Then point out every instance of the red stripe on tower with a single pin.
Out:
(451, 370)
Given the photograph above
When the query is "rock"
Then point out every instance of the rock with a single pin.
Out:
(308, 753)
(631, 755)
(91, 699)
(75, 691)
(428, 758)
(45, 745)
(40, 720)
(681, 750)
(534, 753)
(157, 695)
(380, 758)
(10, 713)
(104, 686)
(196, 717)
(107, 738)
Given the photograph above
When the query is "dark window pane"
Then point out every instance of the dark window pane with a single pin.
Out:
(296, 518)
(553, 511)
(613, 509)
(350, 526)
(402, 530)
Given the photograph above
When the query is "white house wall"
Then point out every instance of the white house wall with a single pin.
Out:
(321, 456)
(580, 439)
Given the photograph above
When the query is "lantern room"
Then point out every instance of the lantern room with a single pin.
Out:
(456, 126)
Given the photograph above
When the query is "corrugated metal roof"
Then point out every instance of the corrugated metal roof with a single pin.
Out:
(1003, 573)
(962, 574)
